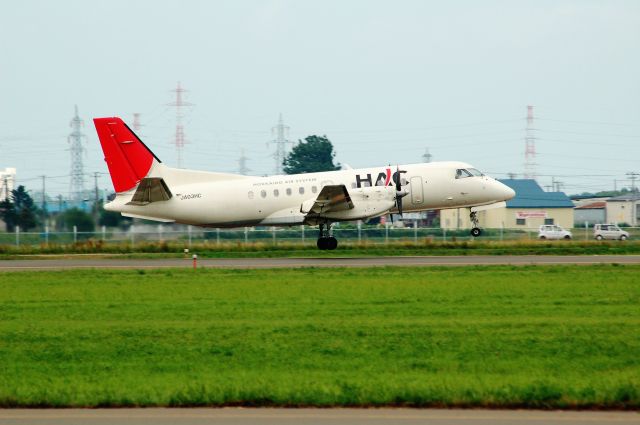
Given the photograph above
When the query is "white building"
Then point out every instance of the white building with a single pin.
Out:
(7, 182)
(624, 209)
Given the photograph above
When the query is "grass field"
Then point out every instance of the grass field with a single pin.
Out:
(547, 337)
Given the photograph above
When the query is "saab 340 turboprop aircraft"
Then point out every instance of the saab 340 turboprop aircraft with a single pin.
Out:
(146, 188)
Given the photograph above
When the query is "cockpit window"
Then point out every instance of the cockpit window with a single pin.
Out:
(462, 173)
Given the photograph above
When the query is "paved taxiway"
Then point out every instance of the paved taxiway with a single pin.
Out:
(240, 416)
(81, 262)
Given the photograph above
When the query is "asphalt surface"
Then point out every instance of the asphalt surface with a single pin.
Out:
(240, 416)
(88, 261)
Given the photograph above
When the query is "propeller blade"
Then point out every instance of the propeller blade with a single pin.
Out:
(399, 194)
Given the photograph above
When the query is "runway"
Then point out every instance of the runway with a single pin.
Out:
(241, 416)
(88, 261)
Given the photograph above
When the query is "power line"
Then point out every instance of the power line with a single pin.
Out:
(633, 176)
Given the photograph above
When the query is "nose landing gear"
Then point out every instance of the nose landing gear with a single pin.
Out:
(475, 231)
(325, 240)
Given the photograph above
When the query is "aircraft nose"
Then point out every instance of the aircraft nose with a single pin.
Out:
(506, 191)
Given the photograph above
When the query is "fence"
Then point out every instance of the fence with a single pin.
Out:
(274, 235)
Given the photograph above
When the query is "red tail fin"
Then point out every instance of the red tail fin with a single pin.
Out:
(128, 159)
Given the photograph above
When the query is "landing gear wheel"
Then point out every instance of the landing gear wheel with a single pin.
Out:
(475, 231)
(325, 240)
(322, 244)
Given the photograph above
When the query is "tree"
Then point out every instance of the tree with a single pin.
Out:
(19, 210)
(112, 218)
(75, 217)
(313, 155)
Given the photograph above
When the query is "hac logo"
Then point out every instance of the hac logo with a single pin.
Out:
(383, 179)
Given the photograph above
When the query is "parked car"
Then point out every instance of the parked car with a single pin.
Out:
(553, 231)
(609, 231)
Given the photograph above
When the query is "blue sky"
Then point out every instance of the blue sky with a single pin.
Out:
(383, 80)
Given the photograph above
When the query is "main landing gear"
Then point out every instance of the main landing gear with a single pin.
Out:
(475, 231)
(325, 240)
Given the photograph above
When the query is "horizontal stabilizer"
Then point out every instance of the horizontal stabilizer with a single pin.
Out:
(146, 217)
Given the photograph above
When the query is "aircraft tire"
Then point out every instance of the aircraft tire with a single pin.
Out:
(321, 244)
(332, 243)
(475, 232)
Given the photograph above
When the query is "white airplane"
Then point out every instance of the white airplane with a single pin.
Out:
(148, 189)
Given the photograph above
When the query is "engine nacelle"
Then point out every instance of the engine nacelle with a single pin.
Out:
(367, 202)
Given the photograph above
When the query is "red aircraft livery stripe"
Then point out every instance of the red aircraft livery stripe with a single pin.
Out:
(128, 159)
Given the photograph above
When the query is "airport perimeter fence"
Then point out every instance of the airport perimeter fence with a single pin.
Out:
(188, 235)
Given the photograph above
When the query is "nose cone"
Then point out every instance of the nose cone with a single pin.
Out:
(506, 192)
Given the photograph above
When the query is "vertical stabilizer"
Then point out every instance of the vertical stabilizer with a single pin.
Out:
(129, 160)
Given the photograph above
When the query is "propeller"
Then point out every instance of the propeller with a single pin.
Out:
(400, 193)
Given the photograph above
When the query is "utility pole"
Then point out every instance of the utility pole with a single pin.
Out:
(242, 163)
(77, 149)
(427, 156)
(44, 200)
(633, 176)
(556, 184)
(512, 176)
(281, 132)
(95, 200)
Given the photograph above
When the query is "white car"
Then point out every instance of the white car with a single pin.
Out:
(609, 231)
(553, 231)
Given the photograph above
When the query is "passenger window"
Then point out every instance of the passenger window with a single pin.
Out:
(289, 191)
(263, 193)
(301, 190)
(276, 192)
(250, 194)
(314, 189)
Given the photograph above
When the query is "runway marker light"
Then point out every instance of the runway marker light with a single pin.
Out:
(195, 261)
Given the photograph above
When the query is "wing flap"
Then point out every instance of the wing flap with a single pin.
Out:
(332, 198)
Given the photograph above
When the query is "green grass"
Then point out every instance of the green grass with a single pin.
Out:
(544, 337)
(346, 249)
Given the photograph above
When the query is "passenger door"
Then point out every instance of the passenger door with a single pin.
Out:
(417, 195)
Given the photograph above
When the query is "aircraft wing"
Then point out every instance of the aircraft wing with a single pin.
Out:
(331, 198)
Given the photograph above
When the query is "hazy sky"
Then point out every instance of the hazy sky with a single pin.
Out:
(383, 80)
